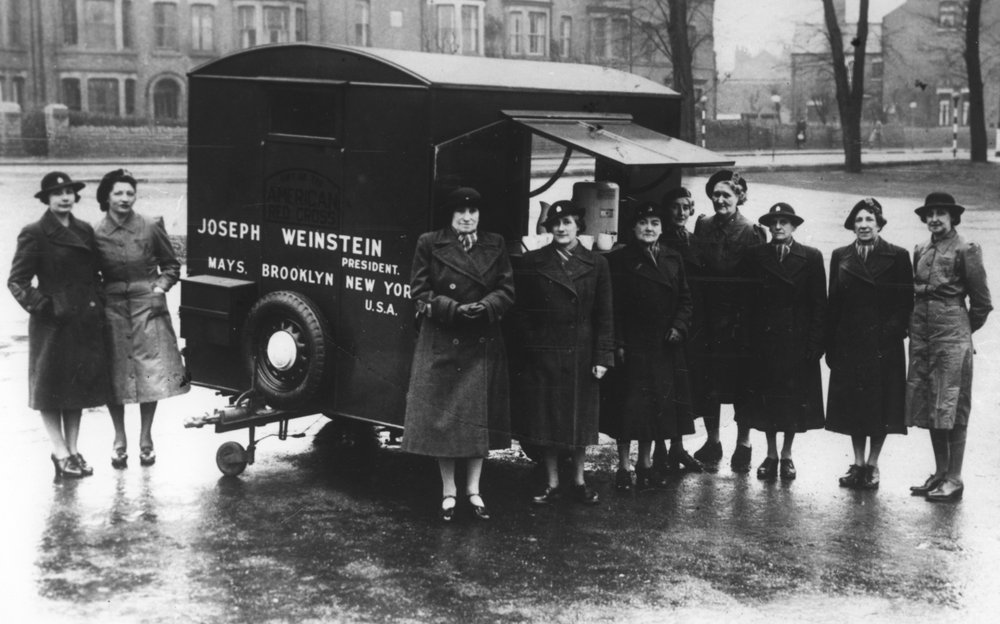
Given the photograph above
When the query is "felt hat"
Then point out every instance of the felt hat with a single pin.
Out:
(871, 205)
(54, 181)
(781, 209)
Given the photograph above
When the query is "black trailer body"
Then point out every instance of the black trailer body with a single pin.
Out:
(312, 170)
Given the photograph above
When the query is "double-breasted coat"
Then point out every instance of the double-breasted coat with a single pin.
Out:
(67, 361)
(136, 257)
(648, 397)
(458, 402)
(870, 302)
(565, 325)
(723, 243)
(939, 383)
(784, 389)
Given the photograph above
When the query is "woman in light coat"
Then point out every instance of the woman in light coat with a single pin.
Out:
(457, 406)
(948, 271)
(139, 267)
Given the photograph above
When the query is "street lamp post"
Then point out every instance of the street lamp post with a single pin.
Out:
(776, 100)
(704, 105)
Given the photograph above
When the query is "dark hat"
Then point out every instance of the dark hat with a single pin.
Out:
(108, 182)
(673, 195)
(939, 199)
(54, 181)
(871, 205)
(462, 197)
(725, 175)
(646, 210)
(781, 209)
(560, 209)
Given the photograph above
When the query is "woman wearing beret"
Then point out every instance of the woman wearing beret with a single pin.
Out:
(784, 390)
(67, 364)
(564, 317)
(948, 271)
(724, 240)
(457, 406)
(139, 267)
(652, 313)
(870, 302)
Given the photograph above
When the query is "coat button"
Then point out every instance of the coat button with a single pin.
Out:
(455, 341)
(452, 286)
(93, 305)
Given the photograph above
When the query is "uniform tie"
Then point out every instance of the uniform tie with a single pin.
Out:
(468, 239)
(863, 248)
(652, 251)
(782, 252)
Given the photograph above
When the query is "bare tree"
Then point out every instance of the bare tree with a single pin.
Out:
(850, 95)
(974, 69)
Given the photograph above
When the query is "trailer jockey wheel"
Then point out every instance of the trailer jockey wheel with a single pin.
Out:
(287, 346)
(231, 459)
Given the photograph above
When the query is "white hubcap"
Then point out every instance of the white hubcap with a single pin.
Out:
(281, 350)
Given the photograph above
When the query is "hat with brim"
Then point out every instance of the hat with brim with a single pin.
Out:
(780, 210)
(725, 175)
(462, 197)
(647, 210)
(560, 209)
(938, 199)
(55, 181)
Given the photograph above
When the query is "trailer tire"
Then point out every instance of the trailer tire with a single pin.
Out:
(231, 459)
(286, 345)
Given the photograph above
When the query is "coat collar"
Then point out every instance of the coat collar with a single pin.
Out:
(474, 263)
(794, 262)
(72, 236)
(638, 262)
(131, 225)
(880, 260)
(580, 263)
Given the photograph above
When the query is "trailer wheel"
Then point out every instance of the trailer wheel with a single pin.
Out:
(231, 458)
(286, 345)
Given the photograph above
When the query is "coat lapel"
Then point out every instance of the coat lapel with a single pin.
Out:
(449, 251)
(880, 259)
(853, 264)
(642, 265)
(72, 236)
(578, 265)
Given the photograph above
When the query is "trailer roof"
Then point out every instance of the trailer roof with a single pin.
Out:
(325, 62)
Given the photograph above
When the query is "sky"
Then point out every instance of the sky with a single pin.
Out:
(768, 24)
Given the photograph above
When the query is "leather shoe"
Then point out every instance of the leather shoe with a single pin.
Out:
(679, 459)
(447, 513)
(119, 458)
(786, 469)
(948, 491)
(147, 456)
(871, 478)
(583, 494)
(548, 496)
(81, 463)
(768, 470)
(709, 453)
(623, 480)
(740, 461)
(854, 476)
(929, 485)
(66, 467)
(478, 511)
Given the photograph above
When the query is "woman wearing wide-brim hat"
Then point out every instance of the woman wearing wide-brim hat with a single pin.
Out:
(870, 302)
(650, 398)
(67, 364)
(565, 325)
(457, 405)
(952, 301)
(787, 313)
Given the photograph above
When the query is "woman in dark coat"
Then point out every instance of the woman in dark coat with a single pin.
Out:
(457, 405)
(139, 267)
(652, 311)
(870, 301)
(948, 269)
(567, 331)
(67, 366)
(787, 314)
(724, 240)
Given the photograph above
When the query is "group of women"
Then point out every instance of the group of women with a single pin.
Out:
(99, 331)
(664, 329)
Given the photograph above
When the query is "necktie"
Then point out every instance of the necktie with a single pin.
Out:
(467, 240)
(651, 251)
(782, 251)
(863, 251)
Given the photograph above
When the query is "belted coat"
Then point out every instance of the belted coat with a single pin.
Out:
(67, 361)
(947, 272)
(458, 401)
(787, 312)
(648, 396)
(565, 326)
(870, 302)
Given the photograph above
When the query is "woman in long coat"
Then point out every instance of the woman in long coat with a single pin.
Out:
(567, 331)
(652, 312)
(724, 240)
(870, 301)
(457, 405)
(787, 315)
(139, 267)
(67, 363)
(948, 269)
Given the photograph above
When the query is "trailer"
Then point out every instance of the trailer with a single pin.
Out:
(312, 170)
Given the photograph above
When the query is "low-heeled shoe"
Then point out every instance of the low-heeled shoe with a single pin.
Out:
(709, 453)
(548, 496)
(740, 461)
(682, 460)
(81, 463)
(768, 470)
(119, 458)
(871, 479)
(930, 484)
(855, 474)
(786, 469)
(948, 491)
(583, 494)
(479, 512)
(147, 456)
(447, 515)
(623, 480)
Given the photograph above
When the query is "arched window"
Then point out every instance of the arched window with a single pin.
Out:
(166, 99)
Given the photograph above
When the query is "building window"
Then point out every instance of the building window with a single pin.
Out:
(165, 25)
(362, 23)
(458, 27)
(202, 27)
(71, 93)
(538, 33)
(130, 96)
(300, 24)
(278, 22)
(951, 14)
(166, 99)
(17, 88)
(69, 23)
(527, 32)
(247, 20)
(102, 96)
(609, 36)
(99, 24)
(126, 24)
(565, 36)
(515, 33)
(12, 24)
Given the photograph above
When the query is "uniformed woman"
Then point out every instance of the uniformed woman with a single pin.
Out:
(566, 328)
(67, 363)
(457, 406)
(948, 271)
(139, 267)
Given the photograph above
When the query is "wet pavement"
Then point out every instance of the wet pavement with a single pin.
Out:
(318, 531)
